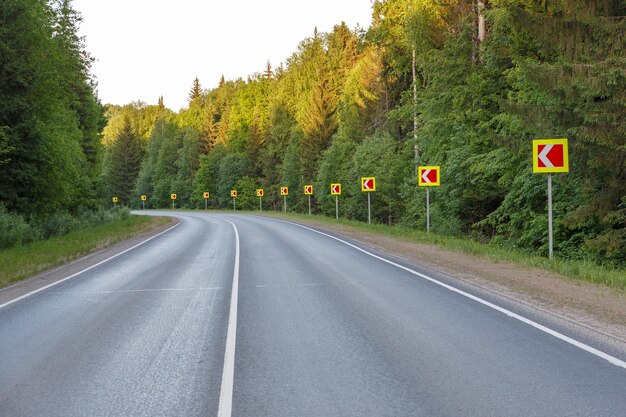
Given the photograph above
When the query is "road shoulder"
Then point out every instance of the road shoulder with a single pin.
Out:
(596, 307)
(50, 276)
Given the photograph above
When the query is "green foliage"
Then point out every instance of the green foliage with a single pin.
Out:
(125, 163)
(14, 230)
(232, 168)
(246, 194)
(49, 116)
(349, 104)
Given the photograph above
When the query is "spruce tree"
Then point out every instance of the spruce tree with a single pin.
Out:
(196, 90)
(125, 162)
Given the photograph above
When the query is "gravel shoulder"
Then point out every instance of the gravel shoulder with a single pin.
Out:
(596, 307)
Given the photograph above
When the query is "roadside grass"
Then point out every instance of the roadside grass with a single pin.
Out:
(26, 260)
(574, 269)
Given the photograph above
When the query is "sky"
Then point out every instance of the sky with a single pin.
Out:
(147, 48)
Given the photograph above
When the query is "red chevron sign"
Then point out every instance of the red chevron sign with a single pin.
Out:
(550, 155)
(368, 184)
(428, 176)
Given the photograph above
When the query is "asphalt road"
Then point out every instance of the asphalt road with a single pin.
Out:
(315, 327)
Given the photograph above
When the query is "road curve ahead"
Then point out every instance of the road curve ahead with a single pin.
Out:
(237, 315)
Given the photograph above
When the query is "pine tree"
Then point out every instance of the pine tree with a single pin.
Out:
(125, 163)
(196, 91)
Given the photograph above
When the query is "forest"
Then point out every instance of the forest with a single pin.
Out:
(464, 84)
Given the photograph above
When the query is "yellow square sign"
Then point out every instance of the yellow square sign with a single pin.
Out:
(173, 196)
(368, 184)
(233, 193)
(428, 176)
(335, 189)
(259, 192)
(144, 197)
(308, 190)
(550, 155)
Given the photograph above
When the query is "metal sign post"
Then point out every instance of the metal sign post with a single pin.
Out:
(550, 238)
(234, 204)
(143, 205)
(260, 204)
(337, 207)
(428, 176)
(550, 156)
(285, 204)
(206, 203)
(428, 210)
(368, 185)
(308, 190)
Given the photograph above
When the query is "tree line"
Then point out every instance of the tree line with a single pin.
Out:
(465, 84)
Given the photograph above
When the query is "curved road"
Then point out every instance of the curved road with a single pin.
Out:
(249, 316)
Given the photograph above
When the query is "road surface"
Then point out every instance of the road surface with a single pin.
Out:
(314, 327)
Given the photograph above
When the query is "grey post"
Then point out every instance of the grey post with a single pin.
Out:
(427, 209)
(369, 209)
(550, 242)
(260, 204)
(285, 203)
(309, 204)
(336, 207)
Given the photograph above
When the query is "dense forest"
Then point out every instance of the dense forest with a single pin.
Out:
(464, 84)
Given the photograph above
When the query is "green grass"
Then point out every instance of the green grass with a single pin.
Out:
(23, 261)
(577, 270)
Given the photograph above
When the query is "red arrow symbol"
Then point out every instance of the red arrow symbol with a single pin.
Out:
(335, 189)
(368, 184)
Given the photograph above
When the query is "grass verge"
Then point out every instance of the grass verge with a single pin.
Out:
(578, 270)
(26, 260)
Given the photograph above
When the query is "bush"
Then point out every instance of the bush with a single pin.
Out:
(14, 230)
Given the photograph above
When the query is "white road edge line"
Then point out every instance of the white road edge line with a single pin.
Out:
(225, 408)
(15, 300)
(613, 360)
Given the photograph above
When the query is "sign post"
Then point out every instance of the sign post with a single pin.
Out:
(368, 185)
(115, 202)
(173, 197)
(284, 191)
(259, 193)
(550, 156)
(335, 189)
(205, 195)
(143, 201)
(308, 190)
(233, 194)
(428, 176)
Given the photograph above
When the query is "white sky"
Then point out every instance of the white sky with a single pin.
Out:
(147, 48)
